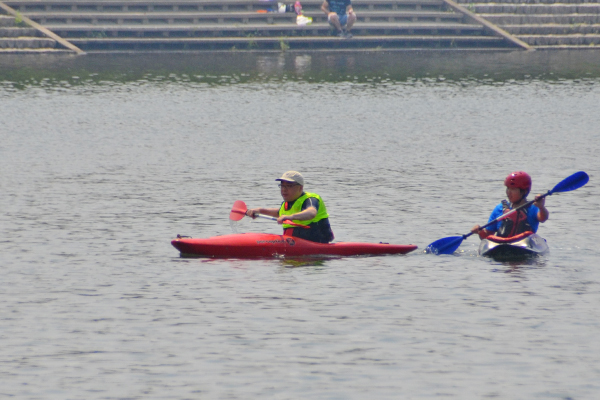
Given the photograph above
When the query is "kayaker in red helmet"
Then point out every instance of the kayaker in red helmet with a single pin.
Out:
(299, 207)
(518, 186)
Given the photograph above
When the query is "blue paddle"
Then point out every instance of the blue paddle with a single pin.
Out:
(449, 245)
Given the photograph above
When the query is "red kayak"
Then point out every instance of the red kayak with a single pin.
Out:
(266, 245)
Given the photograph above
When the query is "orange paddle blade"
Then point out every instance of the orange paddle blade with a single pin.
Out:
(238, 211)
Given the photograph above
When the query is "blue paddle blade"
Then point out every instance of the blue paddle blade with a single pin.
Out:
(575, 181)
(445, 246)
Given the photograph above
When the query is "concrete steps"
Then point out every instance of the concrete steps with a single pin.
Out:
(170, 18)
(250, 24)
(528, 9)
(545, 23)
(553, 29)
(207, 5)
(13, 31)
(281, 43)
(571, 40)
(14, 36)
(212, 30)
(26, 43)
(532, 2)
(523, 19)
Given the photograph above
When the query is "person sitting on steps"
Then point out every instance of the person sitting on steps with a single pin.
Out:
(340, 15)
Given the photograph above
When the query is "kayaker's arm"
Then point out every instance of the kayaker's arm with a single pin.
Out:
(271, 212)
(483, 233)
(540, 203)
(305, 215)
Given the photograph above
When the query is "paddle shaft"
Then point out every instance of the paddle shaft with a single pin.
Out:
(514, 210)
(265, 216)
(289, 222)
(240, 208)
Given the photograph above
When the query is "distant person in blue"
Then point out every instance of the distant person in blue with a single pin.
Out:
(518, 185)
(340, 15)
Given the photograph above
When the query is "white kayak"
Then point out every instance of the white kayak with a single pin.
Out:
(524, 245)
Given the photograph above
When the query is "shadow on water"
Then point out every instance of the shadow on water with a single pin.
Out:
(22, 71)
(519, 266)
(514, 264)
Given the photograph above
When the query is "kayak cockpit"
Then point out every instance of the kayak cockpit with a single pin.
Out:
(524, 245)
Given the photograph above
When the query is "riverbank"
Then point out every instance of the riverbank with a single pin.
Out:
(252, 25)
(210, 67)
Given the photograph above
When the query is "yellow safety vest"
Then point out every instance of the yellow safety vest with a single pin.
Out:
(297, 207)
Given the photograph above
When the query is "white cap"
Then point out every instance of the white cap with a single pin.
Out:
(293, 177)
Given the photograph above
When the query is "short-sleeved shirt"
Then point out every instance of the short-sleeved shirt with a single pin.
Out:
(338, 6)
(532, 218)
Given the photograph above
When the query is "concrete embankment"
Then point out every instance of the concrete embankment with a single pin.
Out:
(255, 25)
(17, 36)
(544, 24)
(18, 33)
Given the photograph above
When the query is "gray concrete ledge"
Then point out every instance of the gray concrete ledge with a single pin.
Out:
(138, 22)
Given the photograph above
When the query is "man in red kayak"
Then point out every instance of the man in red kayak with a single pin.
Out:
(301, 208)
(518, 185)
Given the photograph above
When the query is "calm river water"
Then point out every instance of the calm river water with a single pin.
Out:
(104, 159)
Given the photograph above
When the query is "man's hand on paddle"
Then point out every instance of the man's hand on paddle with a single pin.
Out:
(283, 218)
(271, 212)
(252, 213)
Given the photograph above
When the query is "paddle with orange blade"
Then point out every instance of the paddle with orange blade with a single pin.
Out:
(238, 211)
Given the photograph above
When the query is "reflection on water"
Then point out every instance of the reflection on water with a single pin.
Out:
(225, 69)
(302, 64)
(306, 262)
(519, 266)
(269, 65)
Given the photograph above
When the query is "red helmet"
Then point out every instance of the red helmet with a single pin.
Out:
(518, 179)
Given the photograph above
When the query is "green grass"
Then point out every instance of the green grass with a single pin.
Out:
(19, 20)
(285, 46)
